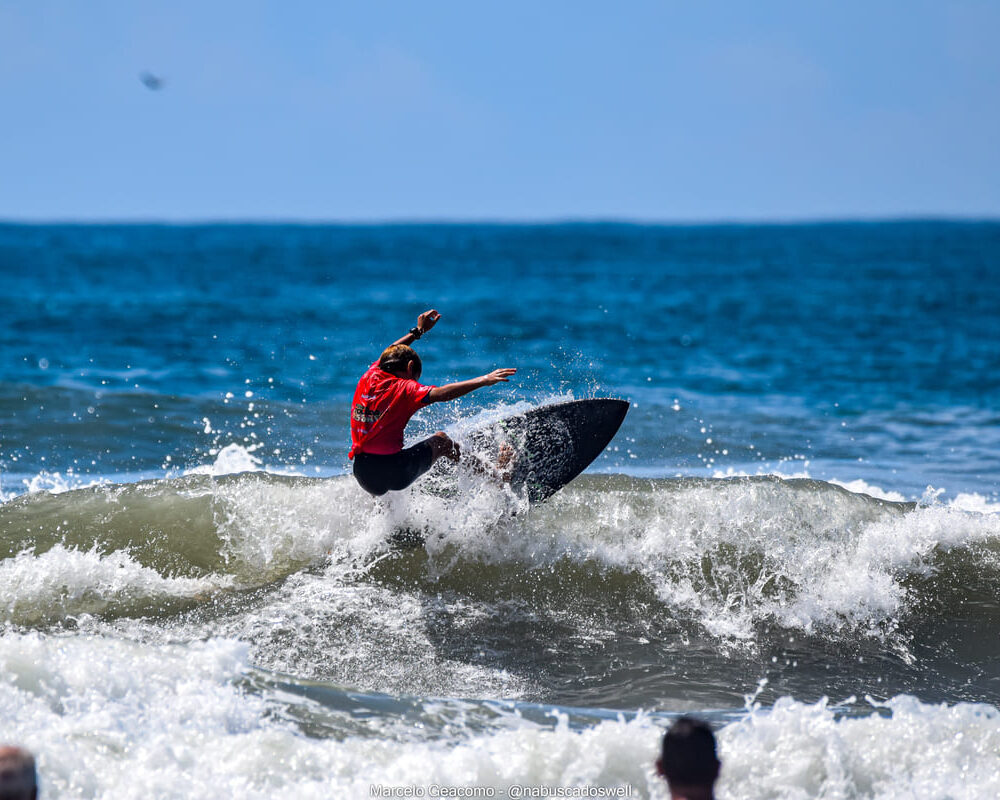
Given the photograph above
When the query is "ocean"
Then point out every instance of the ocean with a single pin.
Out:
(795, 534)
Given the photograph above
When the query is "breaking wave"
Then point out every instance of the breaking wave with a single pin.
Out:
(728, 555)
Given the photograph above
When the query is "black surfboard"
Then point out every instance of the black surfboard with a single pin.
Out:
(545, 448)
(551, 445)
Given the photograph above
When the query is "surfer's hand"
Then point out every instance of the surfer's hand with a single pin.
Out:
(497, 375)
(427, 320)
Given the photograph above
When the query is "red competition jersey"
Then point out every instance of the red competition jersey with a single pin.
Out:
(382, 406)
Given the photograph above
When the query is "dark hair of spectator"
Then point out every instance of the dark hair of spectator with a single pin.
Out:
(688, 757)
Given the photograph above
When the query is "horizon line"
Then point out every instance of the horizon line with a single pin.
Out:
(500, 221)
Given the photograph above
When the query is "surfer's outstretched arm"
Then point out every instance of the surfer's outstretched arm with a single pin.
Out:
(450, 391)
(425, 322)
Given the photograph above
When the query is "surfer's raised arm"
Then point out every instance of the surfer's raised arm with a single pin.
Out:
(440, 394)
(425, 322)
(452, 390)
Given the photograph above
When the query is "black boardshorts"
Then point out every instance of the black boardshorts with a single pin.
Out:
(380, 474)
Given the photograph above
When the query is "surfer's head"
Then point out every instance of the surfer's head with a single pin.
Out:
(688, 759)
(402, 361)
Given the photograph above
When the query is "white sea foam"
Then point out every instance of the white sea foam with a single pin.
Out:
(975, 503)
(108, 718)
(57, 482)
(826, 562)
(231, 459)
(861, 579)
(61, 583)
(266, 525)
(798, 750)
(806, 557)
(863, 487)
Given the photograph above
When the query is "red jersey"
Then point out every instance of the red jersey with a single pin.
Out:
(382, 406)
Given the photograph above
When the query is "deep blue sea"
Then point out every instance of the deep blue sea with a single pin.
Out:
(796, 532)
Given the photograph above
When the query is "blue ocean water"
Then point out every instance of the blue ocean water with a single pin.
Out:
(870, 350)
(796, 532)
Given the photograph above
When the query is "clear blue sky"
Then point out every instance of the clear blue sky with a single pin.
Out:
(499, 110)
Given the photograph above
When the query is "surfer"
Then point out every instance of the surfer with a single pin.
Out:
(388, 394)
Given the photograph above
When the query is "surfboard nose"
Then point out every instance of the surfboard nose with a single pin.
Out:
(567, 438)
(599, 420)
(600, 416)
(612, 410)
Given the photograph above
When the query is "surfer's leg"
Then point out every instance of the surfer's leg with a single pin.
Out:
(379, 474)
(369, 474)
(411, 463)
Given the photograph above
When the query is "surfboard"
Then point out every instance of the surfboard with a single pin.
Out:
(545, 449)
(550, 445)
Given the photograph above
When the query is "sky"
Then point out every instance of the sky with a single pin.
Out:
(371, 111)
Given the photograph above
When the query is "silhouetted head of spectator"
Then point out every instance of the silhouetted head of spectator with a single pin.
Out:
(17, 774)
(688, 760)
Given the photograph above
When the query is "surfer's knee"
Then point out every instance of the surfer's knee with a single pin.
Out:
(443, 445)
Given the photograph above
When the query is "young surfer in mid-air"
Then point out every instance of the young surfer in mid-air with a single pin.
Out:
(388, 394)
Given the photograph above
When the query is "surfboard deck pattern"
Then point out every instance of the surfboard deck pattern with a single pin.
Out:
(552, 444)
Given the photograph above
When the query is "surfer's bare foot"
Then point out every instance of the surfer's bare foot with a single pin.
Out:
(499, 471)
(505, 462)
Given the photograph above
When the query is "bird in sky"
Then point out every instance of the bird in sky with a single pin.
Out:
(150, 81)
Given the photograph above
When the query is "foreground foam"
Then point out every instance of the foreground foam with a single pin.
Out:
(109, 718)
(797, 750)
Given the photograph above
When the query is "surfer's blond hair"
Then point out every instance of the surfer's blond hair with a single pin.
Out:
(395, 358)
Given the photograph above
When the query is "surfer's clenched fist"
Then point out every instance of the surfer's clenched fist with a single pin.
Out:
(427, 320)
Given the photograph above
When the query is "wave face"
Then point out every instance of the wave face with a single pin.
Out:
(580, 601)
